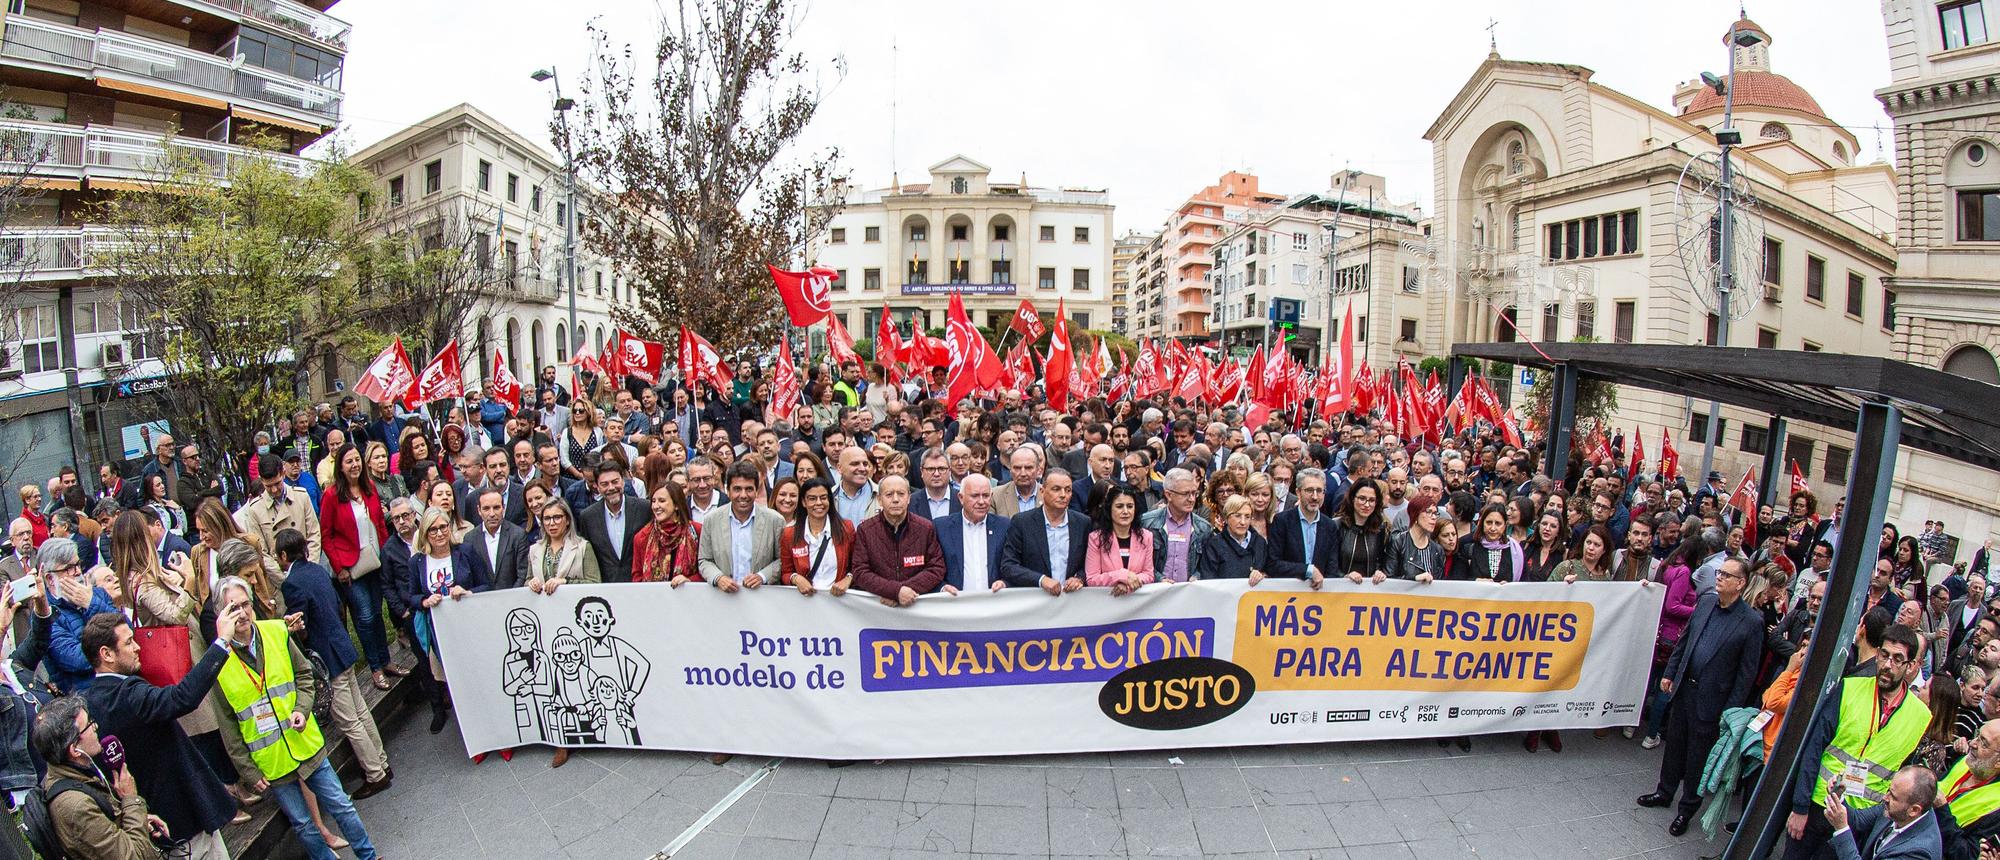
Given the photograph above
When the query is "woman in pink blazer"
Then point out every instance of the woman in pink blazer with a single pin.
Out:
(1119, 554)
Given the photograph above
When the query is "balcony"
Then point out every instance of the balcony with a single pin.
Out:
(534, 287)
(292, 18)
(38, 254)
(105, 153)
(115, 59)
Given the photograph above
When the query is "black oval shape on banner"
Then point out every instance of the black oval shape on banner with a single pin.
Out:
(1176, 693)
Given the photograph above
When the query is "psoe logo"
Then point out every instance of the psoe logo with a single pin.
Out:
(1176, 693)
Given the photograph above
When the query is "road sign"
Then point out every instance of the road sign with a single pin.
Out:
(1285, 312)
(1527, 376)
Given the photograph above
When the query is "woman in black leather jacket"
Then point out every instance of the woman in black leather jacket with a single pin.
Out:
(1364, 537)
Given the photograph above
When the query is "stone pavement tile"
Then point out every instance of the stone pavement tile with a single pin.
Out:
(789, 816)
(1503, 845)
(1618, 834)
(1230, 831)
(1085, 787)
(804, 776)
(1485, 811)
(550, 784)
(1148, 788)
(1208, 787)
(1417, 817)
(1339, 783)
(599, 806)
(865, 781)
(913, 854)
(940, 827)
(1010, 785)
(1276, 754)
(1211, 757)
(701, 786)
(710, 845)
(634, 836)
(1077, 831)
(1439, 848)
(1316, 854)
(1297, 827)
(737, 818)
(416, 830)
(1159, 833)
(1388, 780)
(938, 782)
(1362, 822)
(1284, 786)
(766, 848)
(1005, 829)
(867, 823)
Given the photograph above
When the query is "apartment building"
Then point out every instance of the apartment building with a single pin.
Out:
(1171, 293)
(1126, 249)
(92, 89)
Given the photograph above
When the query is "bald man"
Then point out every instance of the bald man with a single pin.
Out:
(1101, 466)
(896, 556)
(854, 498)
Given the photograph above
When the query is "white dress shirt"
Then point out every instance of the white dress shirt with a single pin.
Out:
(740, 543)
(614, 528)
(828, 569)
(976, 577)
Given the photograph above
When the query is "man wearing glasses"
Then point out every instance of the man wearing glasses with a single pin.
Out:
(1177, 529)
(1711, 670)
(939, 498)
(75, 601)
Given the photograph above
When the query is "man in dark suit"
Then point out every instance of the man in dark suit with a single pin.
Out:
(1711, 670)
(1901, 827)
(1965, 612)
(1044, 547)
(977, 525)
(612, 521)
(309, 591)
(173, 777)
(548, 463)
(934, 497)
(1291, 553)
(1100, 469)
(167, 542)
(498, 469)
(503, 544)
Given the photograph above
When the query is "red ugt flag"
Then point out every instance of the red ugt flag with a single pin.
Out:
(700, 362)
(840, 343)
(388, 376)
(888, 345)
(785, 386)
(966, 359)
(1799, 483)
(808, 295)
(1026, 321)
(441, 378)
(1744, 500)
(1056, 368)
(506, 388)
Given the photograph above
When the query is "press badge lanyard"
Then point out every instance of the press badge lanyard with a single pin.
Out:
(1959, 788)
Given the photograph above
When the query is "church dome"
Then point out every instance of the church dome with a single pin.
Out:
(1758, 89)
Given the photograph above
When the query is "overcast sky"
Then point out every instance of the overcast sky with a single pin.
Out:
(1150, 100)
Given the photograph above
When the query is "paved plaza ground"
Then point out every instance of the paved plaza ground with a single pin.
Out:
(1328, 801)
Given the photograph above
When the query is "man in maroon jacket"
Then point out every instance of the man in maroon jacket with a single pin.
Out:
(896, 556)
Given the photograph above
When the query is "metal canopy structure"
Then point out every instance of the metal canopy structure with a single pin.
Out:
(1943, 414)
(1887, 403)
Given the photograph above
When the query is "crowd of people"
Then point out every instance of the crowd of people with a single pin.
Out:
(200, 613)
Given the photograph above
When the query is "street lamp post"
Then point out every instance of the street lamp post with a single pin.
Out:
(562, 106)
(1725, 283)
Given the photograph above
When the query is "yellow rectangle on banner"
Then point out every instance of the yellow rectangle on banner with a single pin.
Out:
(1343, 640)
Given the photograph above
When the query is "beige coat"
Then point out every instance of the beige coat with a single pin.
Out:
(575, 562)
(262, 518)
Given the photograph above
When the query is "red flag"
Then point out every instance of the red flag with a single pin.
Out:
(785, 387)
(1744, 500)
(1602, 452)
(937, 352)
(1193, 383)
(841, 344)
(990, 371)
(638, 357)
(808, 295)
(1509, 429)
(586, 362)
(388, 376)
(963, 373)
(505, 387)
(700, 362)
(439, 380)
(1347, 366)
(1638, 454)
(1670, 459)
(1026, 321)
(1056, 367)
(888, 345)
(1799, 483)
(1020, 366)
(1227, 382)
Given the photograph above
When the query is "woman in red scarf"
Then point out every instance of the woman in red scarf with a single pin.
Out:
(666, 549)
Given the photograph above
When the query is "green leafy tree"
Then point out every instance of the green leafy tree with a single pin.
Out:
(241, 282)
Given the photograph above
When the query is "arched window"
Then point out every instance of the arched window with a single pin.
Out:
(535, 346)
(1840, 152)
(1972, 362)
(514, 348)
(1517, 157)
(562, 343)
(1774, 131)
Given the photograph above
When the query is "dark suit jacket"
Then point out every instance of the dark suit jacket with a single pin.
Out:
(1082, 493)
(468, 502)
(614, 564)
(1955, 615)
(510, 568)
(1288, 545)
(1727, 677)
(176, 781)
(920, 505)
(468, 571)
(172, 545)
(1864, 826)
(1024, 555)
(396, 573)
(309, 589)
(951, 539)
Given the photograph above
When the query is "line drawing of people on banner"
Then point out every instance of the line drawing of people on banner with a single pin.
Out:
(573, 713)
(525, 675)
(613, 658)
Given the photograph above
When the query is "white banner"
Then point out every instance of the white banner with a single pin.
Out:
(1217, 663)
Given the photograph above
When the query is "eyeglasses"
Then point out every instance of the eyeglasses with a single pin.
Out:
(1888, 658)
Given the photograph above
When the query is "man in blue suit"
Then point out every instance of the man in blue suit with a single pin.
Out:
(977, 527)
(166, 541)
(1901, 827)
(934, 498)
(1045, 546)
(1304, 542)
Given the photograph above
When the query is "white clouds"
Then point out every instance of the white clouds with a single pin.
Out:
(1151, 100)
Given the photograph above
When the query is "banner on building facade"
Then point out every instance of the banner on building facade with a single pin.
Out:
(774, 672)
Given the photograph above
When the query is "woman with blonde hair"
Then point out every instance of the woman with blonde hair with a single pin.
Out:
(562, 555)
(389, 484)
(214, 528)
(578, 440)
(1263, 502)
(440, 567)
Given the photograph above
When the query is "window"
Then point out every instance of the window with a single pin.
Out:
(1888, 309)
(871, 279)
(600, 284)
(1963, 24)
(839, 279)
(1815, 279)
(958, 232)
(1361, 328)
(920, 272)
(1979, 216)
(282, 55)
(1079, 280)
(513, 188)
(1809, 346)
(1766, 338)
(1551, 321)
(1003, 271)
(1409, 330)
(1586, 319)
(871, 234)
(1046, 277)
(1835, 471)
(1413, 279)
(1083, 234)
(1754, 439)
(839, 236)
(1774, 131)
(1299, 274)
(1596, 236)
(1714, 329)
(1300, 242)
(1798, 449)
(919, 233)
(1048, 233)
(1855, 285)
(1080, 320)
(434, 177)
(1774, 261)
(482, 251)
(485, 175)
(958, 271)
(1352, 279)
(1624, 318)
(35, 329)
(1698, 428)
(396, 191)
(1000, 232)
(535, 198)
